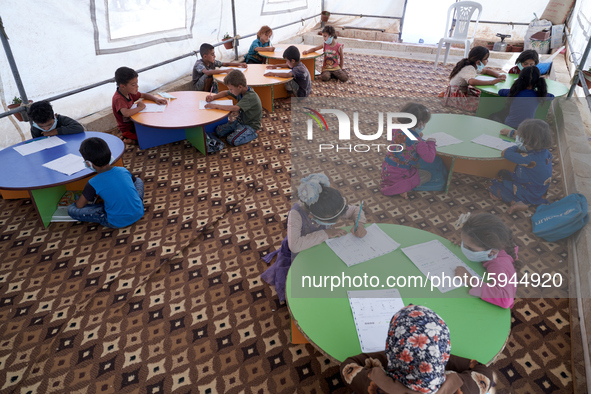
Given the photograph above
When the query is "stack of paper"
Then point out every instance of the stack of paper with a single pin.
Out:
(165, 95)
(38, 145)
(443, 139)
(203, 103)
(372, 312)
(353, 250)
(434, 259)
(492, 142)
(68, 164)
(278, 70)
(154, 108)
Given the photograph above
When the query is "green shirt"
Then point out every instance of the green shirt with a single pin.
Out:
(251, 109)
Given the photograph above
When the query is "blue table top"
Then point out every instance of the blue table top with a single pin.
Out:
(27, 172)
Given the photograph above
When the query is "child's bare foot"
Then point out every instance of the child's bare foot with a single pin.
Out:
(517, 206)
(405, 195)
(493, 196)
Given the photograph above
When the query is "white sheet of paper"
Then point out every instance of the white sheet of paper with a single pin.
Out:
(493, 142)
(484, 78)
(353, 250)
(372, 312)
(165, 95)
(134, 106)
(39, 145)
(228, 69)
(278, 71)
(68, 164)
(444, 139)
(279, 49)
(434, 259)
(154, 108)
(202, 103)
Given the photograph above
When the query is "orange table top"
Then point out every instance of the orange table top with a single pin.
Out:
(301, 47)
(182, 112)
(254, 76)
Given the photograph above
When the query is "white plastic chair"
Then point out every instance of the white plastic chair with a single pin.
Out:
(464, 11)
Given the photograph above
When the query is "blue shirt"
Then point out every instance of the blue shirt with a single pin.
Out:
(523, 108)
(122, 200)
(253, 55)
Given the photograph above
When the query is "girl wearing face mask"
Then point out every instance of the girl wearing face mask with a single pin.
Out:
(460, 93)
(526, 58)
(486, 239)
(400, 172)
(530, 180)
(309, 223)
(332, 66)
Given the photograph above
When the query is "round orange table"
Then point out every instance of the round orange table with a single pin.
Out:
(309, 60)
(268, 88)
(182, 119)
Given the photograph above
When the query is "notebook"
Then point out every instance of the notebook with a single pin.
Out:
(372, 312)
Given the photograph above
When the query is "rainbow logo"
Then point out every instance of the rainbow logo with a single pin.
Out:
(316, 115)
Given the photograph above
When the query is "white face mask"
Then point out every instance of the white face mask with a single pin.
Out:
(480, 67)
(477, 257)
(328, 40)
(51, 128)
(519, 143)
(89, 165)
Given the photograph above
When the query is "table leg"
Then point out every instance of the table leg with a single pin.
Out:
(451, 171)
(196, 136)
(311, 66)
(149, 137)
(266, 95)
(45, 202)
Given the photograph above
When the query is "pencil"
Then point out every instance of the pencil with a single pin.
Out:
(358, 216)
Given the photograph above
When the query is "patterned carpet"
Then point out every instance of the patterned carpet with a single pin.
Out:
(174, 303)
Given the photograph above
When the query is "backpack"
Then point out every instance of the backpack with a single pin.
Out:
(560, 219)
(438, 175)
(214, 144)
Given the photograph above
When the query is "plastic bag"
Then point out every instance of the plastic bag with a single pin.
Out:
(535, 26)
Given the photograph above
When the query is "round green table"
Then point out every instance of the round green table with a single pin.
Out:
(478, 329)
(490, 101)
(468, 157)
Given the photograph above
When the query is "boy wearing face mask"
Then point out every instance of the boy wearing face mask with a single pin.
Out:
(46, 123)
(486, 239)
(532, 176)
(332, 66)
(122, 192)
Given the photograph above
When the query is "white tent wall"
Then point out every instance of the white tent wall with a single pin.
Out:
(580, 28)
(55, 46)
(393, 8)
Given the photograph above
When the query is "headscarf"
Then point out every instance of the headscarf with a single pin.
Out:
(311, 187)
(418, 348)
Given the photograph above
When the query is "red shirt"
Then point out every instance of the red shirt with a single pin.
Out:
(514, 70)
(125, 124)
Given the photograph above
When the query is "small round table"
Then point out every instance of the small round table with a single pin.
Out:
(478, 329)
(468, 157)
(490, 101)
(44, 186)
(268, 88)
(309, 59)
(182, 119)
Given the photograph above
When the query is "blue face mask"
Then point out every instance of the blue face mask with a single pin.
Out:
(89, 165)
(328, 41)
(520, 66)
(320, 222)
(51, 128)
(480, 67)
(519, 143)
(419, 130)
(477, 257)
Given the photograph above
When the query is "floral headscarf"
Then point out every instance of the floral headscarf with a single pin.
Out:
(418, 349)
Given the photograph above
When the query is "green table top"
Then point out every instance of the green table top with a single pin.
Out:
(556, 88)
(466, 128)
(478, 329)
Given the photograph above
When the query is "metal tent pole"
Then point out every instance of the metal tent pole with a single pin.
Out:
(579, 68)
(234, 35)
(15, 73)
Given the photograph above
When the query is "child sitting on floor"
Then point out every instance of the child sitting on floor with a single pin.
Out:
(46, 123)
(486, 239)
(531, 178)
(399, 170)
(261, 44)
(332, 66)
(460, 93)
(527, 58)
(205, 68)
(417, 359)
(309, 224)
(126, 95)
(121, 192)
(250, 110)
(527, 92)
(301, 84)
